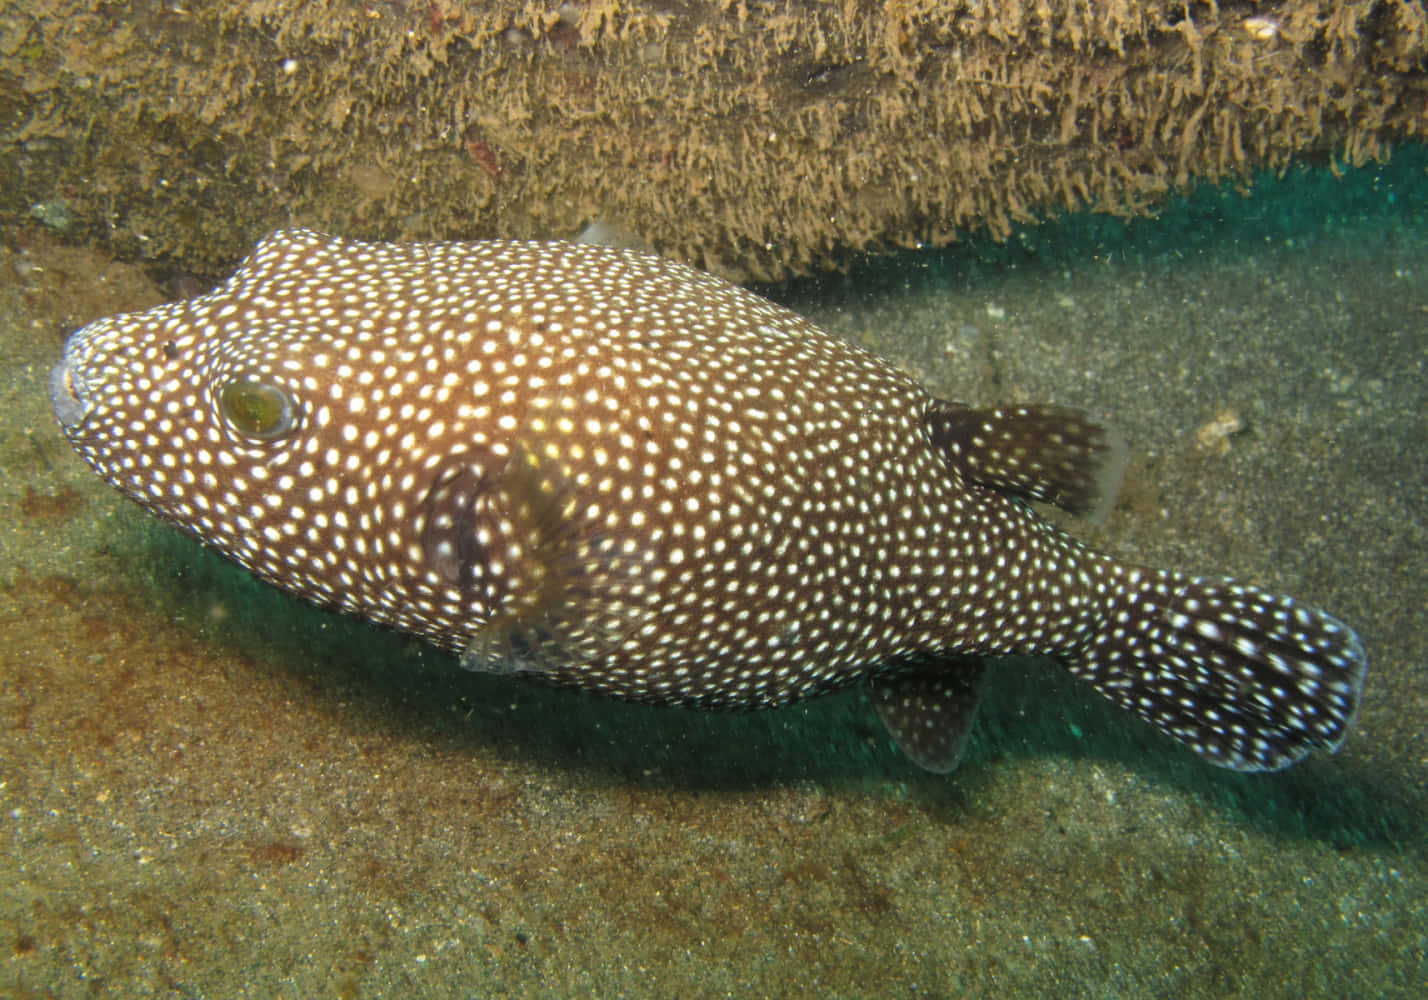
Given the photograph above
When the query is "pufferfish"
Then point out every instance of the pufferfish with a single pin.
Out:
(615, 473)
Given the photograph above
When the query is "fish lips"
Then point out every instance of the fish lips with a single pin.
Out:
(68, 398)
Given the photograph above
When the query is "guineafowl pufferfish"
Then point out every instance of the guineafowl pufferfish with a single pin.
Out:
(616, 473)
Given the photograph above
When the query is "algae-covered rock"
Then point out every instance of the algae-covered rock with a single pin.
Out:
(755, 139)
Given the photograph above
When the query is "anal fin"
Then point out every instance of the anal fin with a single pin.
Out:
(1050, 453)
(929, 709)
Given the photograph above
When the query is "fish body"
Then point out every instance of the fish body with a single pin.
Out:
(616, 473)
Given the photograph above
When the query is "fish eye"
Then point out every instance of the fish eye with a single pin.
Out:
(258, 409)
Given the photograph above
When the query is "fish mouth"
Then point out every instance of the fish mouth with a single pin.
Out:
(67, 395)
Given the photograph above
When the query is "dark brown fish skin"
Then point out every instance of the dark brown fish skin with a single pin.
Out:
(623, 475)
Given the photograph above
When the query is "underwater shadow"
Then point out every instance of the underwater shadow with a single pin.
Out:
(1030, 709)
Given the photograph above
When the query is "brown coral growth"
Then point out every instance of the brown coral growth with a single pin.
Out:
(755, 138)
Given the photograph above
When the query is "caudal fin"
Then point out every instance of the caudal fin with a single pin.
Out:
(1250, 680)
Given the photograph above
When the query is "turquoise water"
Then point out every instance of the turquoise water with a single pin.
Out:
(214, 791)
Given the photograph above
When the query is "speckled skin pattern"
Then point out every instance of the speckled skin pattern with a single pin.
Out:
(627, 476)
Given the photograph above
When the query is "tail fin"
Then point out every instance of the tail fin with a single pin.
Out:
(1250, 680)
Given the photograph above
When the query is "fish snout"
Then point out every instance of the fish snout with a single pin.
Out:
(67, 395)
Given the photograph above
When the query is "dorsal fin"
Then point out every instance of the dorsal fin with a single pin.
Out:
(1050, 453)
